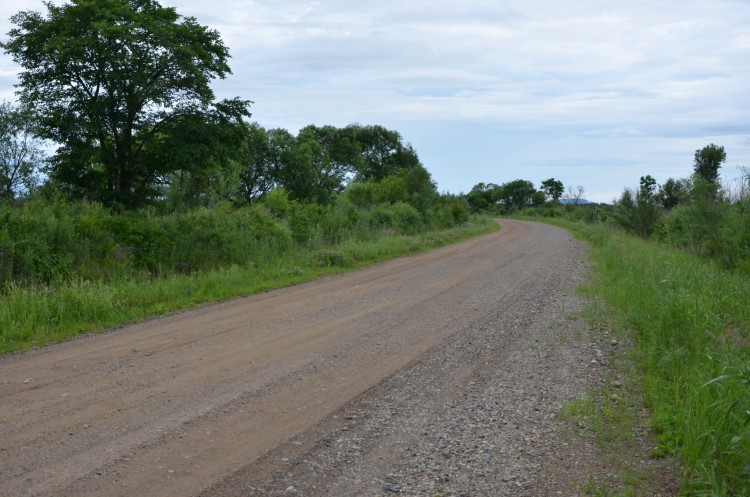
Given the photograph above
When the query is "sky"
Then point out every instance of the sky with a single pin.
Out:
(594, 93)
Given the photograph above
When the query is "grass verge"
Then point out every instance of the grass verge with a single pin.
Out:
(32, 317)
(690, 321)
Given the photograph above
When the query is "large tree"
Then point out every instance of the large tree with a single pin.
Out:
(259, 164)
(382, 152)
(20, 151)
(517, 194)
(708, 160)
(109, 78)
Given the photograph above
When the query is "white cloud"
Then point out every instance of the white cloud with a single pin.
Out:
(623, 86)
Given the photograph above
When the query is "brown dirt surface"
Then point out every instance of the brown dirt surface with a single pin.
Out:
(442, 373)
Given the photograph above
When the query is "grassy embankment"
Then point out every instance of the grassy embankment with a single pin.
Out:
(69, 269)
(691, 321)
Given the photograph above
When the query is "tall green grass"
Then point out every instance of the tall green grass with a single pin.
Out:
(36, 314)
(692, 319)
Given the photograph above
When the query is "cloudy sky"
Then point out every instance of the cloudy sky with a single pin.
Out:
(592, 92)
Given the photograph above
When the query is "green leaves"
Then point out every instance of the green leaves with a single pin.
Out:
(708, 160)
(109, 78)
(553, 189)
(20, 151)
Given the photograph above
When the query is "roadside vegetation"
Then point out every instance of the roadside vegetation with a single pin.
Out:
(157, 196)
(672, 264)
(69, 268)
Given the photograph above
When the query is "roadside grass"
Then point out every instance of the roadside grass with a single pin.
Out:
(34, 316)
(690, 321)
(614, 414)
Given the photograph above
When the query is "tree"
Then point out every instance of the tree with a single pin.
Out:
(638, 212)
(517, 194)
(381, 153)
(648, 185)
(575, 194)
(258, 164)
(553, 189)
(708, 160)
(305, 169)
(671, 193)
(198, 150)
(483, 196)
(344, 154)
(420, 186)
(107, 78)
(20, 151)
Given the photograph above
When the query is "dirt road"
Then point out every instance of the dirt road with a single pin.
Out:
(314, 389)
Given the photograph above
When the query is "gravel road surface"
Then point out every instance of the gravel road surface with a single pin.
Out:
(441, 373)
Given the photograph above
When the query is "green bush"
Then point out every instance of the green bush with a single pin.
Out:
(362, 195)
(406, 219)
(710, 226)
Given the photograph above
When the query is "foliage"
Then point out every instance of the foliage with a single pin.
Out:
(112, 79)
(382, 152)
(320, 162)
(710, 226)
(363, 195)
(517, 194)
(508, 197)
(45, 242)
(553, 189)
(258, 161)
(638, 212)
(671, 193)
(483, 197)
(20, 151)
(72, 267)
(708, 160)
(199, 148)
(693, 329)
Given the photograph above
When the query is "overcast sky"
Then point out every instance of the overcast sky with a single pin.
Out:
(593, 93)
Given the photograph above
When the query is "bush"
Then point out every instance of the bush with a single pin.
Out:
(709, 225)
(637, 212)
(362, 195)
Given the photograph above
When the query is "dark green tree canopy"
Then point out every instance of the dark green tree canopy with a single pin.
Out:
(553, 189)
(671, 193)
(322, 160)
(648, 185)
(382, 152)
(708, 160)
(509, 196)
(517, 194)
(483, 196)
(107, 77)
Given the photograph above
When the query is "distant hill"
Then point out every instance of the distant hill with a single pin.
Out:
(581, 201)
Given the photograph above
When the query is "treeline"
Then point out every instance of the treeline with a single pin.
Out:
(697, 213)
(231, 161)
(122, 90)
(521, 194)
(277, 192)
(152, 176)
